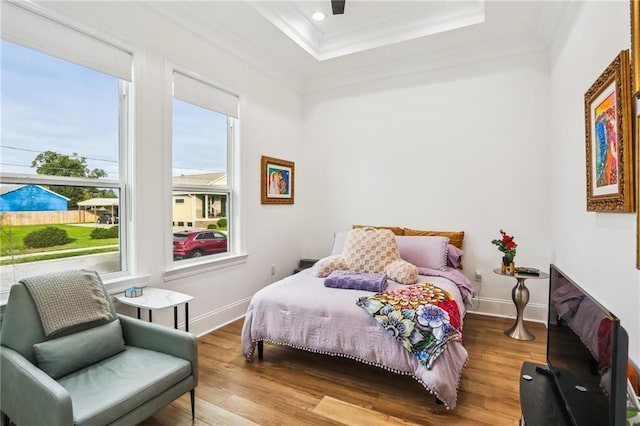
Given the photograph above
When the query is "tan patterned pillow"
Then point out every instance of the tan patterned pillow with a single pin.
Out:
(402, 272)
(325, 266)
(375, 250)
(369, 249)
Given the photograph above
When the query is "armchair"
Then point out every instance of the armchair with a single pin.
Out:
(116, 370)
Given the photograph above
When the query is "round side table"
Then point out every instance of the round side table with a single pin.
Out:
(520, 296)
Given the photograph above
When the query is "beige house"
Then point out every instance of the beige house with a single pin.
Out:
(198, 210)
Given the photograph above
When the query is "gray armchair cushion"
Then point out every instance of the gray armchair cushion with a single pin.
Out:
(104, 391)
(64, 355)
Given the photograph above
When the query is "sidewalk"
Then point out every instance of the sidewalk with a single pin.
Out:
(40, 253)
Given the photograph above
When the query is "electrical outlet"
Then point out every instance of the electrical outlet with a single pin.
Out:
(478, 276)
(273, 269)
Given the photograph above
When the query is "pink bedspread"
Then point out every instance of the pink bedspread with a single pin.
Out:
(299, 311)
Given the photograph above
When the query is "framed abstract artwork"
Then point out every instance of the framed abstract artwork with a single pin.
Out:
(607, 109)
(277, 181)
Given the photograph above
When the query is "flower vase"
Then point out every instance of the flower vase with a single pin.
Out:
(507, 266)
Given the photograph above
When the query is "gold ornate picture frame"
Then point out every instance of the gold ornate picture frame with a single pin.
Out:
(635, 47)
(277, 181)
(610, 175)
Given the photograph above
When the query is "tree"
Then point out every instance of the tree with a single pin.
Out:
(55, 164)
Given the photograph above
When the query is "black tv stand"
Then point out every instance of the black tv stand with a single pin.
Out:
(544, 370)
(539, 402)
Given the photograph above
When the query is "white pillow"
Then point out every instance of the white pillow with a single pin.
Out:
(424, 251)
(338, 242)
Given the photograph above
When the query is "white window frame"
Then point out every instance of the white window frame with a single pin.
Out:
(234, 255)
(54, 37)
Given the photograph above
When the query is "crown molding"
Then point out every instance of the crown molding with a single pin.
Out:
(494, 51)
(190, 21)
(551, 16)
(421, 20)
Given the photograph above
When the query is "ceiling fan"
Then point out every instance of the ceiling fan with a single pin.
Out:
(337, 6)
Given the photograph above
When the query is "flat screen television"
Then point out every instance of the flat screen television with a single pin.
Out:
(586, 354)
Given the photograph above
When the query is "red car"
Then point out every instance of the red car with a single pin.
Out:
(198, 243)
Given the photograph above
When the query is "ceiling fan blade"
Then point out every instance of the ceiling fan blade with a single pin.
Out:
(337, 6)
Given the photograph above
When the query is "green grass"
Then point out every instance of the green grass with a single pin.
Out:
(38, 257)
(79, 237)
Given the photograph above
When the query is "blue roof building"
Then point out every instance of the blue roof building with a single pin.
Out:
(29, 198)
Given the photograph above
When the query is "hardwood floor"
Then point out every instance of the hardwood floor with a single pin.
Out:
(296, 387)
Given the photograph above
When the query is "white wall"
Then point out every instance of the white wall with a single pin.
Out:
(597, 250)
(454, 149)
(496, 144)
(270, 125)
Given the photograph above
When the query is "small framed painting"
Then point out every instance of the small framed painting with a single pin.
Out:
(610, 175)
(277, 181)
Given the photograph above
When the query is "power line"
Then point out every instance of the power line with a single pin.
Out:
(15, 165)
(52, 168)
(41, 152)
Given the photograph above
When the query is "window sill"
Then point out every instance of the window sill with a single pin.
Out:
(113, 286)
(118, 285)
(204, 266)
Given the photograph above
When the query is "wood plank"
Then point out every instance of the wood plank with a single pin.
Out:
(352, 415)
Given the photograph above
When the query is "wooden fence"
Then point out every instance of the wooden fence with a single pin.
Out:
(40, 218)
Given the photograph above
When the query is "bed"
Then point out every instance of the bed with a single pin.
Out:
(301, 312)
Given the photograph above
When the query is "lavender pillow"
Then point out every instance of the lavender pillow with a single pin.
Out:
(356, 280)
(338, 242)
(424, 252)
(454, 256)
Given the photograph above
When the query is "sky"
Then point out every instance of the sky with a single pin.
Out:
(52, 104)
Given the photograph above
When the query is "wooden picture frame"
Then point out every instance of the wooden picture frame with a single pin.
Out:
(610, 175)
(277, 181)
(635, 47)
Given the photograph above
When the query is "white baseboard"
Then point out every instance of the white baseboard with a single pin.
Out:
(213, 320)
(505, 308)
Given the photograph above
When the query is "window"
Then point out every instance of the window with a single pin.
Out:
(64, 129)
(204, 123)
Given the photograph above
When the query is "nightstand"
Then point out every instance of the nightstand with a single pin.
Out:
(304, 264)
(520, 297)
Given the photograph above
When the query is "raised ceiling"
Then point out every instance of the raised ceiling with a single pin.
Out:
(366, 25)
(372, 40)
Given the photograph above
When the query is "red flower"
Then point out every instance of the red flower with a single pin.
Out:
(506, 245)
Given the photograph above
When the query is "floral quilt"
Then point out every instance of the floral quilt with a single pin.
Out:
(424, 318)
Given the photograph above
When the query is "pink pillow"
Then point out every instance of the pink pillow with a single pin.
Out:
(454, 256)
(424, 251)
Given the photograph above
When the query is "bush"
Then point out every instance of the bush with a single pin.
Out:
(102, 233)
(212, 226)
(47, 237)
(222, 223)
